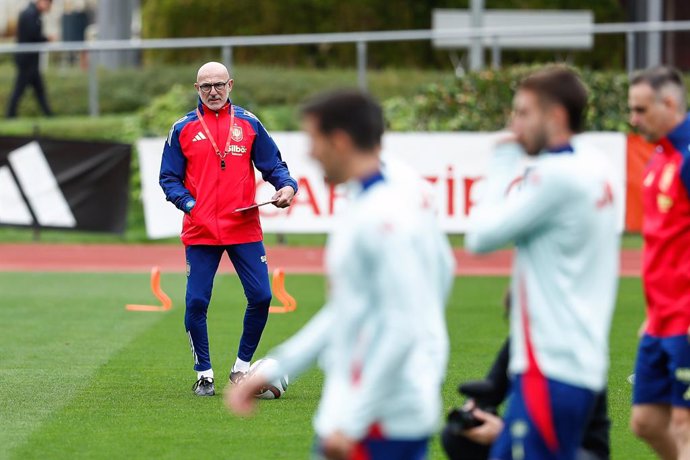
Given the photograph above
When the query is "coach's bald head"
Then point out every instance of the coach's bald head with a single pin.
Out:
(213, 83)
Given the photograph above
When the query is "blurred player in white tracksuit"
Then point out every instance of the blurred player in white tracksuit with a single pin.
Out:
(562, 219)
(381, 338)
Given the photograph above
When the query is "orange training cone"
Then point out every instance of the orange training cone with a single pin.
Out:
(157, 291)
(288, 302)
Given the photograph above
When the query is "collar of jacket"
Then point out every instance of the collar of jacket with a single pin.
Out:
(560, 149)
(679, 137)
(202, 108)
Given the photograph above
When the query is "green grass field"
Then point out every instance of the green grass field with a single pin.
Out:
(83, 378)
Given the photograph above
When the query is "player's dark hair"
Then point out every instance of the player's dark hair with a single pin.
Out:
(560, 85)
(352, 111)
(658, 77)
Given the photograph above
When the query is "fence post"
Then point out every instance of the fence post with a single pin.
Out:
(630, 52)
(94, 110)
(495, 53)
(477, 10)
(227, 56)
(362, 65)
(653, 39)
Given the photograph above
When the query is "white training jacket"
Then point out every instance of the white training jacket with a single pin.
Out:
(562, 219)
(381, 338)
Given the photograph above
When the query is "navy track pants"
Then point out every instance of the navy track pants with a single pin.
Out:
(249, 260)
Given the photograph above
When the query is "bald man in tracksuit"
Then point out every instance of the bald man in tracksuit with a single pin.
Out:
(207, 171)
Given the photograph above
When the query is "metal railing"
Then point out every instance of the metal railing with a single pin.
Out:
(360, 39)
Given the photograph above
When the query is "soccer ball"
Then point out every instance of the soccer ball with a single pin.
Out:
(274, 389)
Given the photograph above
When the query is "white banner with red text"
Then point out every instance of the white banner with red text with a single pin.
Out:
(454, 163)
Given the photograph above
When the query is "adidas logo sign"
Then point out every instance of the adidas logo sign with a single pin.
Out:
(30, 191)
(199, 137)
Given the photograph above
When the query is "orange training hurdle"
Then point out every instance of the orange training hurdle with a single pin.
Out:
(157, 291)
(288, 302)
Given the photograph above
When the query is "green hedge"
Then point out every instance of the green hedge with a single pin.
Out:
(130, 90)
(414, 100)
(478, 102)
(175, 18)
(482, 102)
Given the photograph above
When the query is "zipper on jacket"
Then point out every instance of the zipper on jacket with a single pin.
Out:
(218, 184)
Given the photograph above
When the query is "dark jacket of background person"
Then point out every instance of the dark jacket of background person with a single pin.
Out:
(29, 30)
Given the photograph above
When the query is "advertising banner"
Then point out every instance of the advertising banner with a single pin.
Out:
(64, 184)
(454, 163)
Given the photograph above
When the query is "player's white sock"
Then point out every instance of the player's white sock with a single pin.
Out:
(241, 366)
(208, 374)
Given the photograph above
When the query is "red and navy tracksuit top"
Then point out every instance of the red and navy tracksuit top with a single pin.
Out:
(666, 230)
(191, 170)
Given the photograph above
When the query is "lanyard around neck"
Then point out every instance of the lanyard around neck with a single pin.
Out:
(213, 141)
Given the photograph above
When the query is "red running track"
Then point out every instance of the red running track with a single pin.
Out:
(170, 258)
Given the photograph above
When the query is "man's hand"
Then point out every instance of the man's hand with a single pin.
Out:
(239, 398)
(643, 328)
(487, 432)
(284, 197)
(505, 137)
(337, 446)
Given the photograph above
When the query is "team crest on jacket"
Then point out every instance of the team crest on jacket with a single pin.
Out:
(237, 134)
(667, 176)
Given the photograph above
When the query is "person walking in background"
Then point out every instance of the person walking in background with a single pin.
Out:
(562, 219)
(661, 394)
(382, 335)
(207, 171)
(30, 30)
